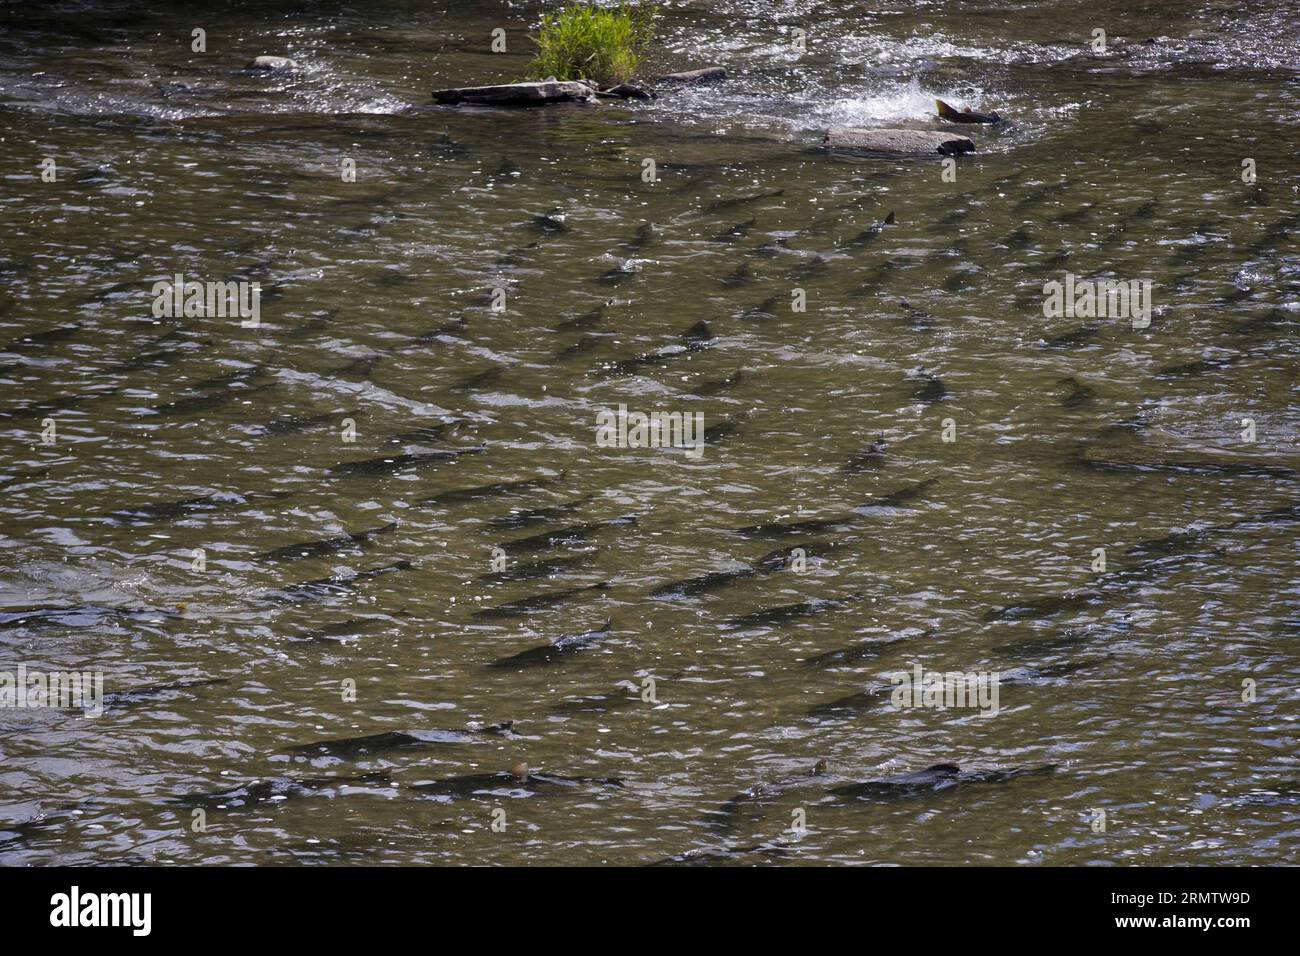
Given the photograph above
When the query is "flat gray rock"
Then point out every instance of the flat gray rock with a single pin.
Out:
(901, 141)
(629, 91)
(518, 94)
(705, 75)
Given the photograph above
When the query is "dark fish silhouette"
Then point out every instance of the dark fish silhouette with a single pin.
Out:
(749, 802)
(557, 650)
(538, 569)
(278, 790)
(851, 705)
(453, 329)
(487, 377)
(370, 745)
(737, 278)
(869, 234)
(624, 695)
(427, 433)
(202, 504)
(293, 424)
(856, 653)
(572, 534)
(1046, 607)
(237, 377)
(59, 334)
(1201, 366)
(935, 779)
(353, 541)
(964, 116)
(869, 459)
(876, 278)
(903, 495)
(1078, 217)
(584, 345)
(720, 385)
(723, 429)
(721, 204)
(203, 403)
(54, 406)
(770, 563)
(362, 367)
(584, 321)
(815, 266)
(538, 602)
(1227, 469)
(619, 274)
(78, 616)
(694, 339)
(1103, 587)
(516, 782)
(493, 490)
(930, 390)
(532, 516)
(780, 559)
(335, 584)
(646, 234)
(703, 583)
(783, 613)
(1079, 396)
(392, 464)
(1017, 239)
(782, 528)
(143, 695)
(1075, 337)
(738, 231)
(551, 222)
(708, 856)
(337, 632)
(771, 249)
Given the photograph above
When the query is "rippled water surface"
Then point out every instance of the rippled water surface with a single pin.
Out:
(185, 434)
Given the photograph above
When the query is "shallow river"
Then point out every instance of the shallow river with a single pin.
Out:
(959, 457)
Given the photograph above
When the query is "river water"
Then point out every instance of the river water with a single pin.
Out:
(1161, 688)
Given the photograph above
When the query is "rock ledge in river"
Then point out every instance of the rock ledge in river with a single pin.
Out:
(899, 141)
(704, 75)
(518, 94)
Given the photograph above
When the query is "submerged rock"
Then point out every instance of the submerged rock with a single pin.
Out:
(518, 94)
(705, 75)
(272, 64)
(630, 91)
(898, 141)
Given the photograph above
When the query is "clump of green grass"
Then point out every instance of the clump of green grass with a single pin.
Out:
(603, 44)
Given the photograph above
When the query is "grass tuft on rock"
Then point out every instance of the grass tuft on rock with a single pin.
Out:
(604, 44)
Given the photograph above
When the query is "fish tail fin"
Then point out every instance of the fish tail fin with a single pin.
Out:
(945, 111)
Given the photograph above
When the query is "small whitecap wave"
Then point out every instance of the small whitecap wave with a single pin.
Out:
(890, 102)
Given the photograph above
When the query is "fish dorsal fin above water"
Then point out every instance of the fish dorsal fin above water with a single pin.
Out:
(520, 770)
(944, 768)
(967, 115)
